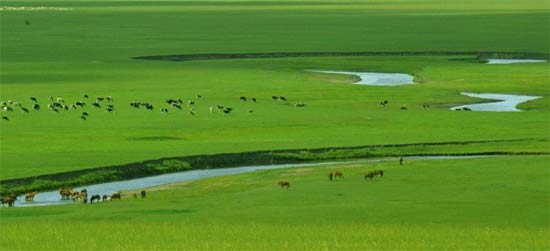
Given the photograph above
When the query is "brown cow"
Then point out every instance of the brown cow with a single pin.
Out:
(284, 184)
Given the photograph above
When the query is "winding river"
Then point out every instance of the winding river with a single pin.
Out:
(375, 78)
(505, 103)
(53, 198)
(514, 61)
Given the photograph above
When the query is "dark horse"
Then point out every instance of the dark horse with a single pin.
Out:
(338, 174)
(284, 184)
(373, 174)
(95, 197)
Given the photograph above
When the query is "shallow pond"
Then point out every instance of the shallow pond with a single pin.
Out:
(53, 197)
(375, 78)
(514, 61)
(505, 103)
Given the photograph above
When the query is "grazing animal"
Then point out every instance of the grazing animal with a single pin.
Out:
(83, 117)
(84, 114)
(373, 174)
(80, 103)
(163, 110)
(33, 99)
(104, 197)
(401, 161)
(65, 193)
(176, 105)
(330, 175)
(84, 196)
(96, 105)
(116, 196)
(143, 193)
(25, 110)
(99, 99)
(250, 111)
(5, 118)
(254, 100)
(199, 96)
(95, 197)
(284, 184)
(282, 98)
(30, 196)
(10, 201)
(338, 174)
(274, 97)
(403, 108)
(190, 102)
(36, 107)
(85, 95)
(242, 98)
(109, 99)
(135, 195)
(76, 196)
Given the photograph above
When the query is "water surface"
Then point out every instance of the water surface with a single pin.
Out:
(514, 61)
(376, 78)
(504, 103)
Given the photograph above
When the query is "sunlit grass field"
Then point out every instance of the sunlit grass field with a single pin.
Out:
(87, 48)
(69, 48)
(490, 203)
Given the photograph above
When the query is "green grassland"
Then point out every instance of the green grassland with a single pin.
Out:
(76, 47)
(491, 203)
(88, 49)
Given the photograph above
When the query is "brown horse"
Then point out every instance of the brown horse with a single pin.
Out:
(9, 201)
(30, 196)
(373, 174)
(284, 184)
(338, 174)
(65, 193)
(116, 196)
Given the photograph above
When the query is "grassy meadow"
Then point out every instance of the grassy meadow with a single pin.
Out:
(71, 48)
(491, 203)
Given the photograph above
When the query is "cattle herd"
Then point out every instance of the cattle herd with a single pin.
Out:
(106, 103)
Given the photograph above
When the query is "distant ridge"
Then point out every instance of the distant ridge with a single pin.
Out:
(218, 56)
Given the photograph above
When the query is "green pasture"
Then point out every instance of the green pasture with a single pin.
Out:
(68, 48)
(337, 112)
(490, 203)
